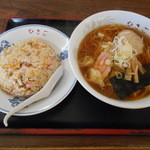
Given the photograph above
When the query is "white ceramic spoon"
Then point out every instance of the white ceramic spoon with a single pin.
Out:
(44, 92)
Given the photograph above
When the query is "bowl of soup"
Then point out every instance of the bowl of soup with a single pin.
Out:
(109, 53)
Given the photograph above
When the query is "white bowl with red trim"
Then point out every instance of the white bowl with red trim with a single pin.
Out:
(102, 18)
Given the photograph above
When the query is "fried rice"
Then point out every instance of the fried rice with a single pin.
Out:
(26, 66)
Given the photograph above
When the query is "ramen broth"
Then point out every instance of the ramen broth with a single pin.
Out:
(93, 45)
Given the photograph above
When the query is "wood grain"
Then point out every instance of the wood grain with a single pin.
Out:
(71, 9)
(68, 9)
(80, 141)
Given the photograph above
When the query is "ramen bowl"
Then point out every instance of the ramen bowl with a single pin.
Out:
(131, 19)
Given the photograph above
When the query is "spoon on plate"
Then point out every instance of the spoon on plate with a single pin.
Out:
(43, 93)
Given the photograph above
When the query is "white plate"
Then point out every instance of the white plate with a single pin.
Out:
(59, 42)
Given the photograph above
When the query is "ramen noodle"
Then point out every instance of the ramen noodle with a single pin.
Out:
(115, 51)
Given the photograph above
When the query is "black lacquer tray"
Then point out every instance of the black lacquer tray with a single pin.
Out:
(79, 109)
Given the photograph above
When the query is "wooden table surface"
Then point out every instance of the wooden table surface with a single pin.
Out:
(71, 9)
